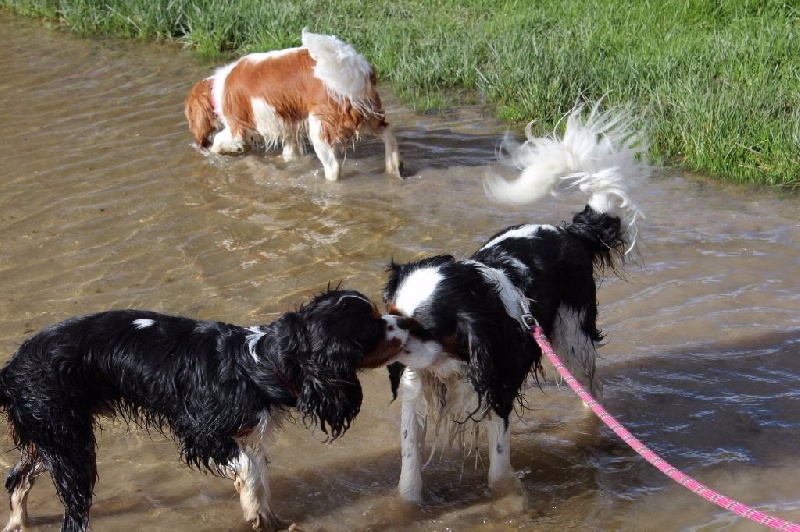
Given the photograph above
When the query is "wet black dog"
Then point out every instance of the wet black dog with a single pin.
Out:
(219, 388)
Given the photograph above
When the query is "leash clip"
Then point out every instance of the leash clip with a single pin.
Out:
(527, 319)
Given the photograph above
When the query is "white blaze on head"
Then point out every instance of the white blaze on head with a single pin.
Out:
(415, 289)
(143, 323)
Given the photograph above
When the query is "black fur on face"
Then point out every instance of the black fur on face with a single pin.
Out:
(343, 328)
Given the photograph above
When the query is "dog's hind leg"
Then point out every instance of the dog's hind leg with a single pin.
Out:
(291, 150)
(573, 342)
(19, 482)
(394, 164)
(293, 143)
(412, 434)
(251, 479)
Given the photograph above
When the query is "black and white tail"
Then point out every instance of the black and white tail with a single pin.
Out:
(598, 153)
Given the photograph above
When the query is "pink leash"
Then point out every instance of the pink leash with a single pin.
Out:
(663, 466)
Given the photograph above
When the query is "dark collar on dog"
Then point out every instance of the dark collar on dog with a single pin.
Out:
(287, 383)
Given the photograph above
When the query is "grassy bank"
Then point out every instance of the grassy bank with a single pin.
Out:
(719, 82)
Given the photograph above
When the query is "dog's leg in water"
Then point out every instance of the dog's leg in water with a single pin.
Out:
(250, 477)
(502, 478)
(394, 164)
(68, 449)
(412, 436)
(291, 150)
(19, 482)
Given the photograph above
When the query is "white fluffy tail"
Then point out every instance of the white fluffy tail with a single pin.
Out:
(343, 71)
(598, 154)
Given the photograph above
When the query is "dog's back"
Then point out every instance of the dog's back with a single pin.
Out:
(274, 93)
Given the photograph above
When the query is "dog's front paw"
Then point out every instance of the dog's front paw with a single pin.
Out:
(508, 484)
(270, 522)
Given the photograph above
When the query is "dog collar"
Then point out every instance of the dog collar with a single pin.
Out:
(287, 383)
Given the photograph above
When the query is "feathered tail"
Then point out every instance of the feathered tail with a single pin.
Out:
(344, 72)
(598, 154)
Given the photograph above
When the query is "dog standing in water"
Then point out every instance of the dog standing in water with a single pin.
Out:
(323, 90)
(471, 349)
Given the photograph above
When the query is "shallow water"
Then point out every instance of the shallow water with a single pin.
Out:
(105, 204)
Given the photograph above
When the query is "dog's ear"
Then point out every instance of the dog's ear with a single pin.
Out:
(395, 372)
(390, 288)
(501, 353)
(330, 395)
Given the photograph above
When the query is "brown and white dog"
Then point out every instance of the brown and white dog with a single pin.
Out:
(323, 90)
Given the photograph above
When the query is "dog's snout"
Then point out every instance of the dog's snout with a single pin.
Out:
(408, 327)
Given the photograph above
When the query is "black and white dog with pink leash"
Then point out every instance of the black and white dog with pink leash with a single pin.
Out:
(470, 351)
(221, 390)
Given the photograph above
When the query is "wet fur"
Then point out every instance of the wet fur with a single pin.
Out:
(324, 91)
(217, 388)
(473, 308)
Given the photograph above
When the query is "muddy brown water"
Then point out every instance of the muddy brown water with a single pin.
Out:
(105, 204)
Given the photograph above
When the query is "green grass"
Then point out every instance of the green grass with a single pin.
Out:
(718, 81)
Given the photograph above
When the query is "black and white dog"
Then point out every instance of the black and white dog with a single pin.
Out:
(220, 388)
(471, 352)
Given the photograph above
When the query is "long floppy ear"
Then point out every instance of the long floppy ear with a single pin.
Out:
(395, 372)
(501, 353)
(330, 394)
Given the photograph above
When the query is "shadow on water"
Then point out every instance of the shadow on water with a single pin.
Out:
(720, 414)
(739, 396)
(421, 150)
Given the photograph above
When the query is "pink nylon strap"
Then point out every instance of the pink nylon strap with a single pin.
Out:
(661, 464)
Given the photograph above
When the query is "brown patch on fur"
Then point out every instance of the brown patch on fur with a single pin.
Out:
(386, 351)
(287, 83)
(12, 435)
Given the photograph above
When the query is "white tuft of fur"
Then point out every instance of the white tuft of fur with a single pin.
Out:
(598, 153)
(344, 72)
